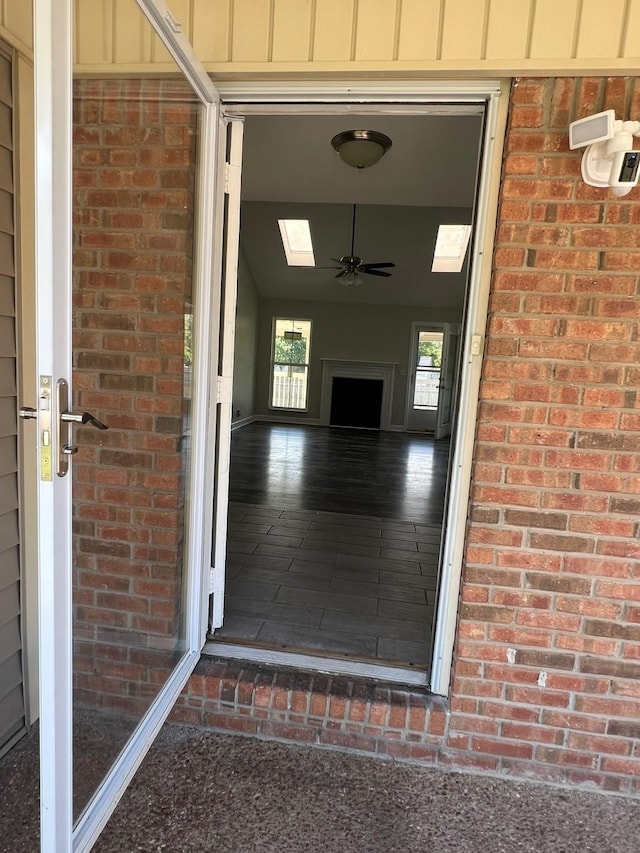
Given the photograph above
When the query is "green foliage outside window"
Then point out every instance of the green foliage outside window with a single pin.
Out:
(432, 348)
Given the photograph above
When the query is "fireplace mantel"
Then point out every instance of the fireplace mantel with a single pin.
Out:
(354, 369)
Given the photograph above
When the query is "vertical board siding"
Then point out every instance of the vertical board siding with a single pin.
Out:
(251, 34)
(211, 27)
(12, 707)
(132, 33)
(599, 34)
(630, 40)
(17, 20)
(93, 31)
(508, 29)
(291, 30)
(463, 30)
(484, 36)
(375, 30)
(419, 29)
(554, 29)
(333, 31)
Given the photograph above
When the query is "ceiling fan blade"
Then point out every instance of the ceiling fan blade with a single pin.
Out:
(325, 268)
(337, 260)
(341, 274)
(374, 272)
(379, 266)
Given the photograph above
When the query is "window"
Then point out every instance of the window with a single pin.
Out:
(290, 363)
(451, 247)
(428, 367)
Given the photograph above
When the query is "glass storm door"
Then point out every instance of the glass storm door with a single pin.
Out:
(128, 172)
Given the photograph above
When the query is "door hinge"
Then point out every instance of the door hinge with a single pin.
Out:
(216, 581)
(224, 389)
(231, 178)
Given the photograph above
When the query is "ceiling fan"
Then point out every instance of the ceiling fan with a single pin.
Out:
(351, 266)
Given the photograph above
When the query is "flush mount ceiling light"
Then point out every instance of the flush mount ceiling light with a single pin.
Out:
(361, 148)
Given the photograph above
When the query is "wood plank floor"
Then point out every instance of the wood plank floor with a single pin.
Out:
(334, 537)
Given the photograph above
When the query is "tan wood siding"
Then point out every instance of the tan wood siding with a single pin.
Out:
(12, 707)
(477, 38)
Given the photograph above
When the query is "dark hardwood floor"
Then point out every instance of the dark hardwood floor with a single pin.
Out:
(362, 472)
(334, 539)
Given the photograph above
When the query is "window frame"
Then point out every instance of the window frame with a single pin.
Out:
(272, 363)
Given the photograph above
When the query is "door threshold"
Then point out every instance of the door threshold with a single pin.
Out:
(319, 663)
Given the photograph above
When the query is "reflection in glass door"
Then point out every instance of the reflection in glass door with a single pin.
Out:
(122, 597)
(135, 147)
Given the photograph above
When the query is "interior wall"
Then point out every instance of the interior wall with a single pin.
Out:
(244, 361)
(349, 331)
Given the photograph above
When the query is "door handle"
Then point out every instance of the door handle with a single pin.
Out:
(27, 413)
(82, 418)
(66, 448)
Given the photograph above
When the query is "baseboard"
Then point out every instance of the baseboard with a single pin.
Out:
(285, 419)
(242, 422)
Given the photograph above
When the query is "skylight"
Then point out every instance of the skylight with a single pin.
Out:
(296, 239)
(451, 247)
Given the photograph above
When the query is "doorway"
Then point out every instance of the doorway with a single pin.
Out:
(364, 328)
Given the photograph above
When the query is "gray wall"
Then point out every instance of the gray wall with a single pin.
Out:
(345, 331)
(245, 343)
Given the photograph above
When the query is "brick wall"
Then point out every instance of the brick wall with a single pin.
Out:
(547, 662)
(134, 166)
(548, 652)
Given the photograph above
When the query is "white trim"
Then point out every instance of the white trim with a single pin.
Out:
(318, 663)
(53, 51)
(463, 92)
(229, 293)
(471, 365)
(242, 422)
(115, 783)
(286, 419)
(333, 368)
(170, 33)
(286, 97)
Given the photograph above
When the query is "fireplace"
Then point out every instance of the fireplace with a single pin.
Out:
(364, 400)
(356, 402)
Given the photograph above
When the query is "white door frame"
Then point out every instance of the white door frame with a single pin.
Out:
(427, 97)
(416, 326)
(53, 31)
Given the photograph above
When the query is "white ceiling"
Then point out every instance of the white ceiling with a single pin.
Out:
(290, 170)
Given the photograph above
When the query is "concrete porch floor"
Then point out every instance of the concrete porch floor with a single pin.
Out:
(200, 791)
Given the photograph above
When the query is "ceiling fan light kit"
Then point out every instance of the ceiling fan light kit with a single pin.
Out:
(361, 148)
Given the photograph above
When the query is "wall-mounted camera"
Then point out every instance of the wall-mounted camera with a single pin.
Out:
(609, 159)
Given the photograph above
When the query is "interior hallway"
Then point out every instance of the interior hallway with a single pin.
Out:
(334, 539)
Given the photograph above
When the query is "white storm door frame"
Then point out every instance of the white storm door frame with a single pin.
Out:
(53, 33)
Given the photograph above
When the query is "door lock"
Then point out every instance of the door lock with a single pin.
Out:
(67, 418)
